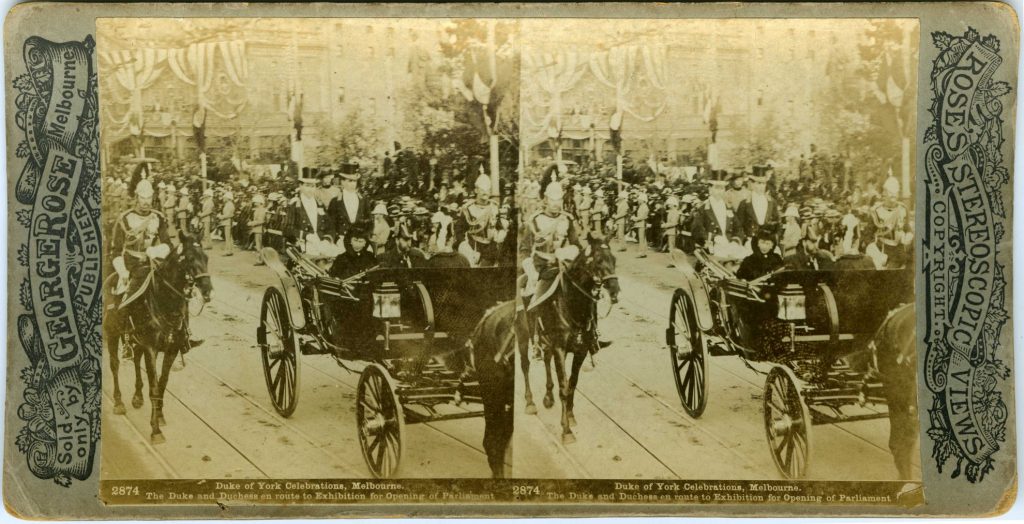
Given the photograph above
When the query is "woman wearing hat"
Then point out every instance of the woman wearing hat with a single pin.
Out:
(381, 227)
(358, 255)
(763, 259)
(791, 231)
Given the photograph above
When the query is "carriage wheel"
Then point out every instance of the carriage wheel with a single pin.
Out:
(787, 423)
(380, 421)
(278, 347)
(689, 355)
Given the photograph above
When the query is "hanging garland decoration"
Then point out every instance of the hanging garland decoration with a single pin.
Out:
(136, 70)
(554, 74)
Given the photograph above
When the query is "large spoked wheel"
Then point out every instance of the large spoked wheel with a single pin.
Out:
(278, 347)
(787, 423)
(688, 350)
(380, 421)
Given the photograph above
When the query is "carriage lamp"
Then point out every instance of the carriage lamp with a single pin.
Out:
(387, 301)
(792, 303)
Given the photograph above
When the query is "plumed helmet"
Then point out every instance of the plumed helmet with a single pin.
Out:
(483, 183)
(144, 189)
(891, 186)
(554, 191)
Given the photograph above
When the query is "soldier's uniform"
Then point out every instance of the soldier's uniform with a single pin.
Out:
(547, 238)
(206, 216)
(583, 208)
(227, 218)
(257, 225)
(169, 205)
(138, 238)
(480, 220)
(184, 211)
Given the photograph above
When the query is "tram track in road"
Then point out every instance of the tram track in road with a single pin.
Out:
(242, 312)
(143, 440)
(273, 415)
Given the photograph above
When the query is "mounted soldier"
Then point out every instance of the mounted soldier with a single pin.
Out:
(480, 217)
(140, 238)
(550, 235)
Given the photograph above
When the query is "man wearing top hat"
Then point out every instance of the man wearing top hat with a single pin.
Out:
(479, 219)
(349, 208)
(714, 218)
(757, 209)
(306, 215)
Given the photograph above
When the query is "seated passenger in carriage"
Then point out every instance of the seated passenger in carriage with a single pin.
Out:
(358, 257)
(764, 259)
(809, 257)
(401, 253)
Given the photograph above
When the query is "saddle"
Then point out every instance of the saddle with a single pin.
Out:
(135, 289)
(547, 283)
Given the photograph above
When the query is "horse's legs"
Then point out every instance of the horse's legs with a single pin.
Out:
(574, 377)
(549, 397)
(497, 394)
(559, 356)
(137, 355)
(115, 365)
(157, 395)
(524, 366)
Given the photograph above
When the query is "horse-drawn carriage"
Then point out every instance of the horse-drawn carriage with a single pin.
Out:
(408, 328)
(813, 329)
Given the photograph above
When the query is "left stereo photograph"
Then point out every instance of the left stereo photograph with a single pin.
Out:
(308, 247)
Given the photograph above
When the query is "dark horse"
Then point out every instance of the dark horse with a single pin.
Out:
(155, 322)
(493, 352)
(895, 348)
(566, 324)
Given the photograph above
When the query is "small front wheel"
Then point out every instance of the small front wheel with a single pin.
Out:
(279, 350)
(380, 421)
(688, 349)
(787, 423)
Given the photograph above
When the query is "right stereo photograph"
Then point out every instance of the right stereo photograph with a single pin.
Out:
(716, 250)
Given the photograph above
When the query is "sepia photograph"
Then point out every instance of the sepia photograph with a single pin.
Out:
(309, 232)
(716, 243)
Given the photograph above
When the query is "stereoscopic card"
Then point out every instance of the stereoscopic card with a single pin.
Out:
(310, 260)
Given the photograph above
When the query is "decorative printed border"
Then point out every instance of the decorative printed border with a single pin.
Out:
(59, 196)
(964, 225)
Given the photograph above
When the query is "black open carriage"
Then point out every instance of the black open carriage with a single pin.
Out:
(812, 327)
(407, 327)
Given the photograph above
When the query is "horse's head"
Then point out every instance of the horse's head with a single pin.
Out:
(594, 268)
(194, 262)
(602, 262)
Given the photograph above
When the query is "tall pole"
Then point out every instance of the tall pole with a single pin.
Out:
(493, 135)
